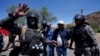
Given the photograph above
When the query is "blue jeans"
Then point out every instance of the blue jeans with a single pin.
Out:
(49, 50)
(61, 51)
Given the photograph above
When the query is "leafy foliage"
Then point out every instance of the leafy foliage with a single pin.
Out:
(44, 15)
(11, 9)
(47, 16)
(94, 20)
(68, 26)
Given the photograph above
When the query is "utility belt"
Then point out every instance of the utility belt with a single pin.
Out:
(37, 48)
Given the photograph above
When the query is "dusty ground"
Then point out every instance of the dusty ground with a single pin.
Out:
(70, 52)
(98, 38)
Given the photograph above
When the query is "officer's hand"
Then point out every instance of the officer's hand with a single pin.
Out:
(94, 47)
(54, 43)
(21, 10)
(95, 50)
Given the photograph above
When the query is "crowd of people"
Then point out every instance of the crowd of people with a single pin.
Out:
(34, 41)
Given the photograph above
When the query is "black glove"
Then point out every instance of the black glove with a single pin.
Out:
(95, 50)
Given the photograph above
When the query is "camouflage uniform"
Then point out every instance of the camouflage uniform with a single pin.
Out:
(83, 36)
(84, 39)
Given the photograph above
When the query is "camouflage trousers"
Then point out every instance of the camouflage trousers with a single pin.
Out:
(79, 51)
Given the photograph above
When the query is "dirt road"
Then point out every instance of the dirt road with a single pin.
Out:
(70, 52)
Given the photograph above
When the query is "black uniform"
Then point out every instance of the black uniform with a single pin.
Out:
(31, 37)
(83, 36)
(84, 39)
(8, 24)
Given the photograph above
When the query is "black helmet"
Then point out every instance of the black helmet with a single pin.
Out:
(32, 20)
(33, 15)
(79, 17)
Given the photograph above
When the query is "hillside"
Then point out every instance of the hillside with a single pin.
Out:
(93, 18)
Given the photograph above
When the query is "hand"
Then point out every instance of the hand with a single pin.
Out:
(53, 42)
(21, 10)
(95, 50)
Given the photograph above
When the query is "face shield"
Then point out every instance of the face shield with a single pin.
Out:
(32, 22)
(79, 19)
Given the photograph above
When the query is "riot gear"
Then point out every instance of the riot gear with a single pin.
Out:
(83, 36)
(29, 35)
(32, 21)
(79, 17)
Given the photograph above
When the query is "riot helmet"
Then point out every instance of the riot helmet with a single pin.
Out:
(32, 20)
(79, 17)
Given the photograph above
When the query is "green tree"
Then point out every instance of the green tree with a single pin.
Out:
(11, 9)
(46, 15)
(22, 20)
(95, 27)
(32, 11)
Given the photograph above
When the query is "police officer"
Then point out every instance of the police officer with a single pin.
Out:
(83, 36)
(30, 37)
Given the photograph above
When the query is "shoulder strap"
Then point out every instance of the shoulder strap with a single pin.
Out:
(24, 28)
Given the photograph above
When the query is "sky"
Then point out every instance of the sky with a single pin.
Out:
(62, 9)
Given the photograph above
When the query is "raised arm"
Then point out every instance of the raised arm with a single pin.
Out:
(8, 22)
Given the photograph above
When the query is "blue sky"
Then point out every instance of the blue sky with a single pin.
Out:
(62, 9)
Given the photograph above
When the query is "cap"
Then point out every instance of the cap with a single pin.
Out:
(60, 22)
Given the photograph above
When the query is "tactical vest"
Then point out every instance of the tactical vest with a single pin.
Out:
(79, 33)
(31, 35)
(81, 37)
